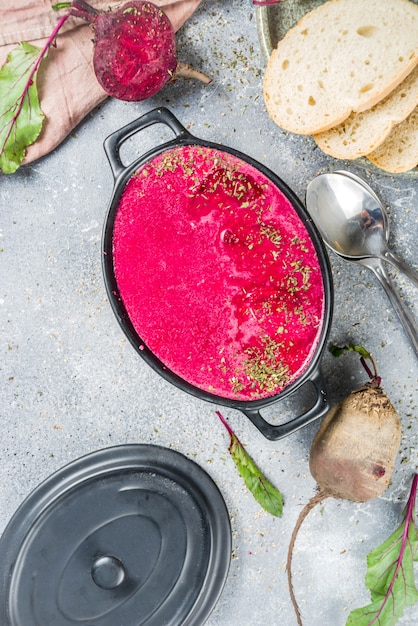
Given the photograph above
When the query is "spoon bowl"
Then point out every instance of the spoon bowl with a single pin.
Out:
(379, 212)
(354, 224)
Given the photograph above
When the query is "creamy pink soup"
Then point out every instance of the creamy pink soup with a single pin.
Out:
(217, 273)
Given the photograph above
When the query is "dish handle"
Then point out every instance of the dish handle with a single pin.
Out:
(113, 142)
(278, 431)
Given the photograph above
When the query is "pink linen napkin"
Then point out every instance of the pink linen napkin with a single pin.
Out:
(68, 89)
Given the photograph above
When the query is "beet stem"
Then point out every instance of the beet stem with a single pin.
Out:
(316, 499)
(375, 380)
(225, 423)
(81, 9)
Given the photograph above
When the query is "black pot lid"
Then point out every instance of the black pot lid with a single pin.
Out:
(129, 535)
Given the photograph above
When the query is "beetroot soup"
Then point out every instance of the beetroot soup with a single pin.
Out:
(218, 273)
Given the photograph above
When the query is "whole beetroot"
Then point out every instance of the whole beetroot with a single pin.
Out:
(134, 49)
(353, 454)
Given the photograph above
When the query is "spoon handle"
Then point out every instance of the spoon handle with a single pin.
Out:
(410, 272)
(403, 313)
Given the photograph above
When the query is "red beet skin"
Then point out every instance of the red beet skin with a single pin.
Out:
(134, 48)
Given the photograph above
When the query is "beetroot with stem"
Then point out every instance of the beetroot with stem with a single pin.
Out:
(134, 57)
(353, 453)
(134, 49)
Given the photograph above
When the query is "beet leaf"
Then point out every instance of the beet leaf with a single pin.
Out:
(21, 116)
(263, 491)
(338, 350)
(390, 574)
(365, 356)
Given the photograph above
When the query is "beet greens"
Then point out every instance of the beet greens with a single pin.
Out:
(390, 574)
(263, 491)
(21, 116)
(134, 56)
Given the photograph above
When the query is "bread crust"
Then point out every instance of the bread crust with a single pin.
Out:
(399, 152)
(344, 56)
(362, 133)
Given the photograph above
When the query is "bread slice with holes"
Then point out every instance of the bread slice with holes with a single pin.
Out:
(344, 56)
(361, 133)
(399, 152)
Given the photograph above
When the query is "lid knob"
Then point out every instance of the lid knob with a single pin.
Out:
(108, 572)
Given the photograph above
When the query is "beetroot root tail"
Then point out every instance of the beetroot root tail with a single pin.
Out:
(316, 499)
(184, 70)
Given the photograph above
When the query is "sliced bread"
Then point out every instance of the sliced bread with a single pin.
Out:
(399, 152)
(344, 56)
(361, 133)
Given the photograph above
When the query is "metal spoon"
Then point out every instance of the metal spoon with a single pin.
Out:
(379, 214)
(353, 223)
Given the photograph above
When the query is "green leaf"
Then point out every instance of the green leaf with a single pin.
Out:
(21, 117)
(338, 350)
(262, 489)
(390, 574)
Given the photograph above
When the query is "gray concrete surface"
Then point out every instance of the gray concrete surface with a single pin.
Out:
(71, 383)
